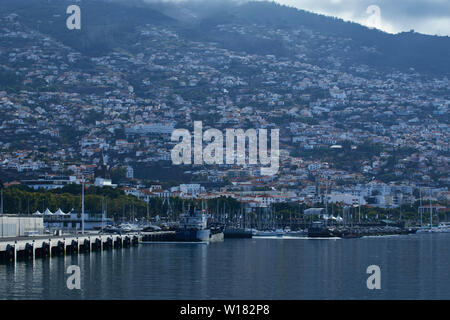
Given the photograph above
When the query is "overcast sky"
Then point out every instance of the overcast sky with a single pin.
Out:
(424, 16)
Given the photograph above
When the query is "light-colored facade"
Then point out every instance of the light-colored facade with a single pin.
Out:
(19, 226)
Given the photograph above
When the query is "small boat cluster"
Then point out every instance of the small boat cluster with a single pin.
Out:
(443, 227)
(321, 230)
(130, 228)
(286, 232)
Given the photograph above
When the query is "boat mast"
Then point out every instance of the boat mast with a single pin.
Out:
(326, 197)
(106, 208)
(420, 207)
(2, 203)
(290, 219)
(123, 212)
(344, 218)
(431, 212)
(326, 202)
(82, 204)
(169, 209)
(242, 215)
(103, 210)
(359, 210)
(218, 215)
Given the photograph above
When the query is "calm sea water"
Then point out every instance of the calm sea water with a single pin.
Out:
(412, 267)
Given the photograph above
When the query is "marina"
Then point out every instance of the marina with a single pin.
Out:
(30, 247)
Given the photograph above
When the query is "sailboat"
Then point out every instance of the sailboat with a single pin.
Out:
(270, 230)
(442, 227)
(238, 232)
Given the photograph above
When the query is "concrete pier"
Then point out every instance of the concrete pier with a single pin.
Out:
(11, 249)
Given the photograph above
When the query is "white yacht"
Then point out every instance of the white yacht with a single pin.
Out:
(443, 227)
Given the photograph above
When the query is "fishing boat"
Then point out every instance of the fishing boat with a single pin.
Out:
(193, 226)
(349, 234)
(424, 229)
(237, 233)
(319, 230)
(269, 233)
(216, 234)
(291, 233)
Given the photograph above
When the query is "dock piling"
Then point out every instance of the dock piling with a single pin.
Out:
(34, 251)
(13, 249)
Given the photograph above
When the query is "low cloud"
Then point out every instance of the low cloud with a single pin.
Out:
(425, 16)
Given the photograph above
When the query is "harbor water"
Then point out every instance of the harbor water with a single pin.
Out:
(412, 267)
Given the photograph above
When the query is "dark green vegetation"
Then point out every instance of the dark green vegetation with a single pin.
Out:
(20, 199)
(9, 80)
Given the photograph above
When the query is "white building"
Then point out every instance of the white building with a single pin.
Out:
(189, 190)
(49, 182)
(346, 198)
(130, 172)
(101, 182)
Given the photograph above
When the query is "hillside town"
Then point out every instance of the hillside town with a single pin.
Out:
(357, 137)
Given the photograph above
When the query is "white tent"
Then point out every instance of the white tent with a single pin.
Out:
(48, 212)
(37, 213)
(60, 213)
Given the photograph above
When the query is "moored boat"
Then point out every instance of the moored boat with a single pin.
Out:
(193, 227)
(268, 233)
(320, 230)
(216, 234)
(237, 233)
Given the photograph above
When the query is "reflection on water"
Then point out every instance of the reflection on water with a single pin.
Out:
(412, 267)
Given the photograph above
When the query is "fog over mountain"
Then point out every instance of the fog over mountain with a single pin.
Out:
(424, 16)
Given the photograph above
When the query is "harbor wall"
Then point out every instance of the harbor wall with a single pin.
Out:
(18, 226)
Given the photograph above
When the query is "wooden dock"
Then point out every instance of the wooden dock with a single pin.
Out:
(12, 249)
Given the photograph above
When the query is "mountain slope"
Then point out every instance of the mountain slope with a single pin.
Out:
(424, 53)
(105, 25)
(109, 25)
